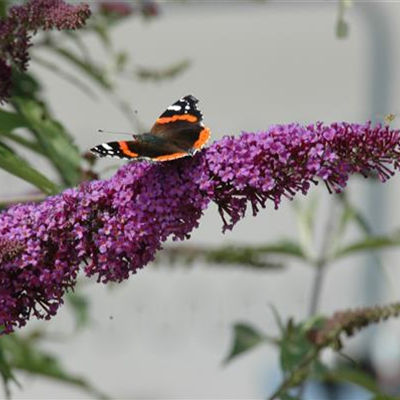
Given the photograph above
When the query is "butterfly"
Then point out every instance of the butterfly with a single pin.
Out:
(178, 132)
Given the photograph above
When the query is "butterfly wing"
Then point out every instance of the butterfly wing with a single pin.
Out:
(185, 109)
(147, 148)
(181, 124)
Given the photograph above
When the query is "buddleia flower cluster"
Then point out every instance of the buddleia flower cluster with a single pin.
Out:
(21, 22)
(111, 228)
(347, 323)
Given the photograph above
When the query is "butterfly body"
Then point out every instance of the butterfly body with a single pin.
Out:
(178, 132)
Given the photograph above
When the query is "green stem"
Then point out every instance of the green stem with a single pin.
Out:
(323, 260)
(317, 288)
(296, 376)
(321, 264)
(50, 66)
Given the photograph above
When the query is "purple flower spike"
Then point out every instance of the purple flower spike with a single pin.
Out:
(288, 158)
(115, 227)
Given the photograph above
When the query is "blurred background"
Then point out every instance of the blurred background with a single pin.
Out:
(165, 332)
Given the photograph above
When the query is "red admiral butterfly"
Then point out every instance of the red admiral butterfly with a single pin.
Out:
(177, 133)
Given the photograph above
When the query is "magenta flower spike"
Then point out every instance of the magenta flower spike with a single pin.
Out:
(116, 226)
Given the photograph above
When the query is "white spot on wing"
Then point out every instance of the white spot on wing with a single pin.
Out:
(106, 146)
(174, 107)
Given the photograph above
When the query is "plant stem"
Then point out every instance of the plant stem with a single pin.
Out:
(290, 381)
(322, 261)
(320, 265)
(317, 288)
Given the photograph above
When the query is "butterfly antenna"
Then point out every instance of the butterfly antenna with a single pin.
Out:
(114, 133)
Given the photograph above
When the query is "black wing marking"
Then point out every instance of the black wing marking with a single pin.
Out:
(186, 106)
(111, 149)
(148, 147)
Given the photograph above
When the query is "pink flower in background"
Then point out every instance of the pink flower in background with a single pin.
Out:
(48, 14)
(116, 226)
(118, 8)
(122, 9)
(21, 22)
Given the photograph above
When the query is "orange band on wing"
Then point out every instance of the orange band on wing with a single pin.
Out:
(203, 138)
(169, 157)
(183, 117)
(125, 149)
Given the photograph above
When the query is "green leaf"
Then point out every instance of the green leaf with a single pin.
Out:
(356, 377)
(17, 166)
(295, 347)
(55, 141)
(3, 8)
(277, 318)
(159, 74)
(121, 60)
(102, 32)
(362, 222)
(90, 70)
(6, 372)
(239, 255)
(369, 244)
(284, 248)
(234, 254)
(305, 216)
(25, 85)
(80, 307)
(342, 29)
(245, 339)
(10, 121)
(80, 44)
(29, 144)
(347, 215)
(63, 74)
(24, 355)
(354, 214)
(295, 344)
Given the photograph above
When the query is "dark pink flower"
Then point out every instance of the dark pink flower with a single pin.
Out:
(121, 9)
(116, 226)
(115, 8)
